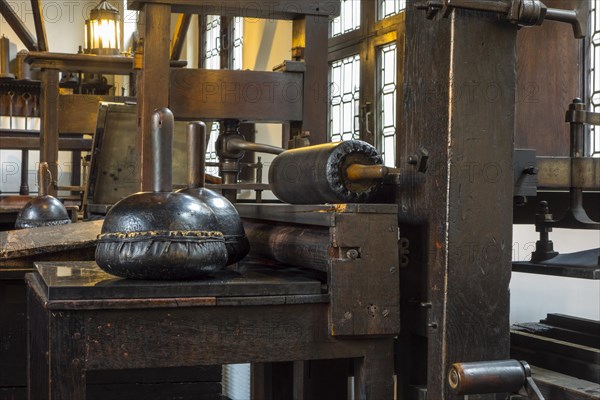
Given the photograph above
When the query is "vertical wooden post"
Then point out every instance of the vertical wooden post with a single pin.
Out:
(49, 96)
(459, 103)
(310, 33)
(153, 81)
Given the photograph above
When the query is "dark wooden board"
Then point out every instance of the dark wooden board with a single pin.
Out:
(13, 393)
(583, 264)
(86, 281)
(574, 360)
(35, 241)
(284, 9)
(13, 347)
(162, 391)
(210, 373)
(244, 95)
(556, 386)
(554, 332)
(567, 321)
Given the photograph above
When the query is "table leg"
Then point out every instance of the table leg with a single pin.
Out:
(56, 368)
(37, 348)
(374, 373)
(67, 356)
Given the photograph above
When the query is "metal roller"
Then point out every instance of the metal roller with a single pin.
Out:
(504, 376)
(161, 235)
(299, 246)
(342, 172)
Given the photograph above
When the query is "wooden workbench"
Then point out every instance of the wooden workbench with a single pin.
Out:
(82, 319)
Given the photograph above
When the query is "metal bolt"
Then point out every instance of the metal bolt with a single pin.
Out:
(352, 254)
(393, 270)
(432, 325)
(426, 305)
(77, 336)
(348, 315)
(385, 313)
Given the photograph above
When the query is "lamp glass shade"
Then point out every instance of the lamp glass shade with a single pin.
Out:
(102, 30)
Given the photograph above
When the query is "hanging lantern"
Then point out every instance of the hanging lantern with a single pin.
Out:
(102, 30)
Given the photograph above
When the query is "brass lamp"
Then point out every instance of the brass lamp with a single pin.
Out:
(102, 30)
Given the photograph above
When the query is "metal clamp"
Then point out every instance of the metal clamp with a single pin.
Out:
(519, 12)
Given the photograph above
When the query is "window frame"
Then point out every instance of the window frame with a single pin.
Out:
(366, 41)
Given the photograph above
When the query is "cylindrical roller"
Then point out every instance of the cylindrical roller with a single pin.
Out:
(5, 58)
(299, 246)
(318, 174)
(505, 376)
(23, 67)
(162, 150)
(196, 141)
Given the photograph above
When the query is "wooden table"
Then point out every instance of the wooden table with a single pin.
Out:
(82, 319)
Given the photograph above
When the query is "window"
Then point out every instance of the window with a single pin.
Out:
(593, 144)
(212, 59)
(365, 63)
(212, 42)
(348, 20)
(387, 8)
(238, 41)
(386, 104)
(344, 95)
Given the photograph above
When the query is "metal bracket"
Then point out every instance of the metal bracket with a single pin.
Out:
(519, 12)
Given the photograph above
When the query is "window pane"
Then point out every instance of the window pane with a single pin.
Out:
(593, 144)
(348, 20)
(238, 41)
(386, 103)
(211, 149)
(344, 96)
(212, 42)
(387, 8)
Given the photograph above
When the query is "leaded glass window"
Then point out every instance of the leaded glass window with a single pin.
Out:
(344, 110)
(387, 8)
(238, 41)
(348, 20)
(386, 104)
(212, 37)
(593, 145)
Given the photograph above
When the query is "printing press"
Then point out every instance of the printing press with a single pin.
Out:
(338, 268)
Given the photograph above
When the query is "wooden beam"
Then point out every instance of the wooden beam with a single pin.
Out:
(31, 143)
(40, 27)
(152, 82)
(17, 26)
(183, 24)
(244, 95)
(308, 34)
(456, 216)
(81, 62)
(266, 9)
